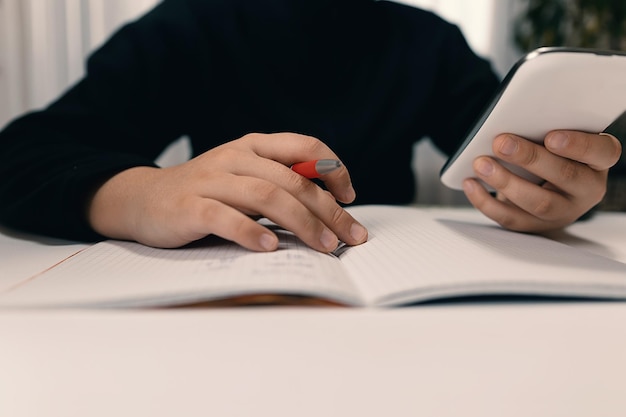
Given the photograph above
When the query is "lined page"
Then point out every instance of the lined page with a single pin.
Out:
(126, 274)
(415, 255)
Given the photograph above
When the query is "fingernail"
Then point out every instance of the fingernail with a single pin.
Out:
(468, 186)
(268, 242)
(557, 140)
(358, 232)
(328, 239)
(485, 167)
(508, 146)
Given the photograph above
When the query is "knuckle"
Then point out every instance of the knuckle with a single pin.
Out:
(250, 137)
(227, 153)
(187, 207)
(313, 145)
(530, 156)
(195, 219)
(502, 182)
(239, 227)
(309, 223)
(328, 196)
(337, 214)
(569, 170)
(298, 184)
(207, 213)
(544, 208)
(508, 221)
(265, 192)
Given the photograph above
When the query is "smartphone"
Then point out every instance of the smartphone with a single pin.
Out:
(548, 89)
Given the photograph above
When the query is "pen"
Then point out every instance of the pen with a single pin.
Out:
(315, 168)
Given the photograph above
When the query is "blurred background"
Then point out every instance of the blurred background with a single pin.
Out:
(43, 45)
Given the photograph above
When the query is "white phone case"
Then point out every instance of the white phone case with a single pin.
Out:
(548, 89)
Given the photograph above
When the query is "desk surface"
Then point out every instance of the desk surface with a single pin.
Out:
(455, 359)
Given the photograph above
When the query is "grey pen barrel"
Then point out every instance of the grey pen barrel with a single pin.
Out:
(324, 166)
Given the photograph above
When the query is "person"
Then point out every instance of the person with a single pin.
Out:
(258, 86)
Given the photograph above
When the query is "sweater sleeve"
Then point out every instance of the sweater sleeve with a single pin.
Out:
(127, 108)
(464, 86)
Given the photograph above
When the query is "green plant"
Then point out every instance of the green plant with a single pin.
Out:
(577, 23)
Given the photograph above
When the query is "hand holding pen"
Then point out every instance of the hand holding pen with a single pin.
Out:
(223, 190)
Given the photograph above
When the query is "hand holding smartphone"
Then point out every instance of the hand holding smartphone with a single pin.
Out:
(548, 89)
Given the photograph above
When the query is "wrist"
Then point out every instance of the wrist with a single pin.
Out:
(114, 209)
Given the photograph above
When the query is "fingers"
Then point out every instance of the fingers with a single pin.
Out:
(253, 184)
(573, 164)
(535, 214)
(599, 152)
(291, 148)
(313, 215)
(303, 199)
(208, 216)
(573, 177)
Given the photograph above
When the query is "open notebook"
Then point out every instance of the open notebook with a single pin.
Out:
(412, 255)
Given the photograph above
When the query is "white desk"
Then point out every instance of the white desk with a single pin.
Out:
(477, 359)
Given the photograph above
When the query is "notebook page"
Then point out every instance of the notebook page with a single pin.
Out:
(126, 274)
(414, 255)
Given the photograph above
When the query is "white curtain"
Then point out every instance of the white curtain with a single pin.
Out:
(43, 45)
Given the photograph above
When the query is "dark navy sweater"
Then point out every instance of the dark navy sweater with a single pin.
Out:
(369, 78)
